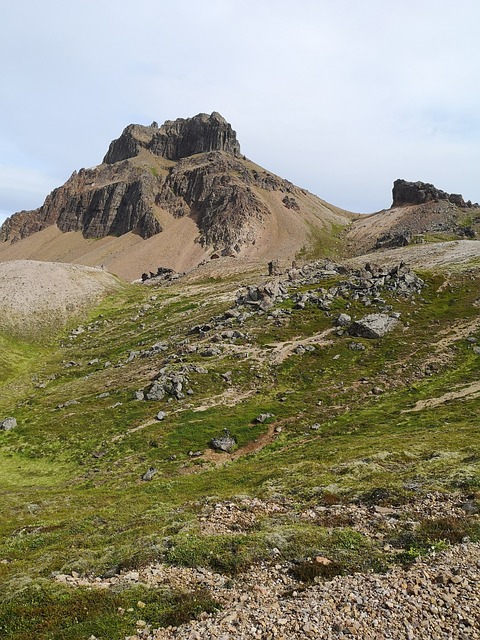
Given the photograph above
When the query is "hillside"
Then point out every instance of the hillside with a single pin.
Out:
(420, 213)
(38, 298)
(173, 196)
(261, 455)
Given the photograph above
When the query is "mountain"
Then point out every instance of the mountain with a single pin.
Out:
(419, 213)
(221, 455)
(172, 196)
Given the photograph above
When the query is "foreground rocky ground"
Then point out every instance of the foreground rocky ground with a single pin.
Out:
(248, 458)
(438, 598)
(434, 597)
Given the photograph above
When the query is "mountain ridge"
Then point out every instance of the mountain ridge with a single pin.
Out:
(229, 205)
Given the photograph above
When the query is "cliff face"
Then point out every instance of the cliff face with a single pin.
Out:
(216, 189)
(120, 196)
(98, 202)
(176, 139)
(186, 184)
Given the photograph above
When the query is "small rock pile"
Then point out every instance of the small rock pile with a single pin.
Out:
(154, 350)
(175, 384)
(239, 516)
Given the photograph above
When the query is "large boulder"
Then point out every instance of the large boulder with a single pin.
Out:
(375, 325)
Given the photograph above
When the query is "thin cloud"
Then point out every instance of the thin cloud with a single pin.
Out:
(341, 98)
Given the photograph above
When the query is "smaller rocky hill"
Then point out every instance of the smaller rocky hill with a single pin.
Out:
(419, 213)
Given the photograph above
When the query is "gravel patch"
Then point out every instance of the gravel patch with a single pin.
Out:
(35, 295)
(436, 599)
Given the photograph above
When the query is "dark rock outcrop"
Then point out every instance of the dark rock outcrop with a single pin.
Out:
(215, 190)
(203, 177)
(225, 442)
(407, 193)
(176, 139)
(98, 202)
(392, 240)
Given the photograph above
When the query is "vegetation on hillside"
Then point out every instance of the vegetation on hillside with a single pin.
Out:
(379, 425)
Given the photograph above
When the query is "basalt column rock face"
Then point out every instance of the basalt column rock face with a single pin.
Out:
(98, 202)
(176, 139)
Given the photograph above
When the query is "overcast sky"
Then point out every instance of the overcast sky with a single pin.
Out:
(339, 96)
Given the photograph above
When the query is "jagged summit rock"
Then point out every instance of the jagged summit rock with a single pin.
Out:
(185, 188)
(407, 193)
(176, 139)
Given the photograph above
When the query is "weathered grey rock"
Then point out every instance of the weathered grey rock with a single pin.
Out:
(69, 403)
(155, 349)
(264, 296)
(375, 325)
(161, 415)
(8, 424)
(156, 392)
(148, 475)
(210, 352)
(174, 386)
(263, 417)
(343, 320)
(223, 443)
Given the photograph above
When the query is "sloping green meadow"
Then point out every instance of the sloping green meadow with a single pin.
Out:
(71, 490)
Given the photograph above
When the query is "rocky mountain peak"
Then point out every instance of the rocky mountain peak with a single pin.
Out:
(408, 193)
(176, 139)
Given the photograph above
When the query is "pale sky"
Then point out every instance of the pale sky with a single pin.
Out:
(339, 96)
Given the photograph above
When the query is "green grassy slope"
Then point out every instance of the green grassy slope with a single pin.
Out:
(71, 492)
